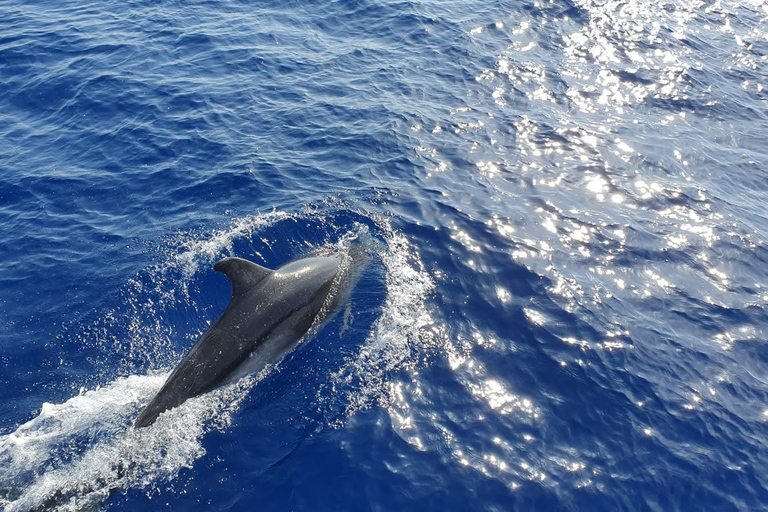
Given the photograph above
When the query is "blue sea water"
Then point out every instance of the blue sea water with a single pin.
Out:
(564, 201)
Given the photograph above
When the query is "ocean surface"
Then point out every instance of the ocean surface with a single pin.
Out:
(564, 205)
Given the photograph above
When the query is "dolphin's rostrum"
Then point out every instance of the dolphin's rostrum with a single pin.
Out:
(268, 314)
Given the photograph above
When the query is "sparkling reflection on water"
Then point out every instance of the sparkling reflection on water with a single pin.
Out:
(599, 152)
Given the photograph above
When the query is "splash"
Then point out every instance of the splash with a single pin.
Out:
(73, 455)
(403, 330)
(206, 249)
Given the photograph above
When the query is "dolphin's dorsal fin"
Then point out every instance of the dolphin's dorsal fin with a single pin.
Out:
(244, 274)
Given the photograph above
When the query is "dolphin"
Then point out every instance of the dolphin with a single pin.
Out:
(269, 312)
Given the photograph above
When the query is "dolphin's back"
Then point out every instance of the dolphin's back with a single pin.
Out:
(267, 315)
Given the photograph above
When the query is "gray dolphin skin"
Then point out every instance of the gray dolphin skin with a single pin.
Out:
(268, 314)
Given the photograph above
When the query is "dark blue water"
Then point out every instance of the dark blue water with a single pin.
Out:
(564, 201)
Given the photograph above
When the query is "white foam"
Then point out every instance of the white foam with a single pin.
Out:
(73, 454)
(399, 335)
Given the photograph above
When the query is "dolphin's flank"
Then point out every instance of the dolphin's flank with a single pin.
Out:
(268, 314)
